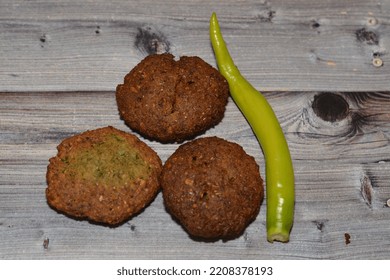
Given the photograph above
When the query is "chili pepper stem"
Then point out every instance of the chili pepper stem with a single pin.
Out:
(265, 125)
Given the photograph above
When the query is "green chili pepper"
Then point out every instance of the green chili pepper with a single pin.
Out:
(265, 125)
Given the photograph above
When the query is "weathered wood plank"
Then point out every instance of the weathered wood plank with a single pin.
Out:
(291, 46)
(339, 141)
(342, 180)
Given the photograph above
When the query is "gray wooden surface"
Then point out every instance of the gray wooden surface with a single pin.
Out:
(60, 62)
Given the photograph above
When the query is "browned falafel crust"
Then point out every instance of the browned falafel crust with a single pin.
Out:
(103, 175)
(172, 101)
(212, 187)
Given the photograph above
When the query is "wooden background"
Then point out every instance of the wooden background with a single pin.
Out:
(323, 65)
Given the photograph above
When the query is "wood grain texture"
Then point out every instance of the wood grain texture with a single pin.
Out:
(293, 45)
(324, 67)
(342, 182)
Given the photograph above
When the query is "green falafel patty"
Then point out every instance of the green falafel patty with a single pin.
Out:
(103, 175)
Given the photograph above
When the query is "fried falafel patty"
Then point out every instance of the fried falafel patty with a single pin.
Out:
(212, 187)
(103, 175)
(172, 101)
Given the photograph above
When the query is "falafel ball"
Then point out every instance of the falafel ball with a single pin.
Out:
(212, 187)
(172, 101)
(103, 175)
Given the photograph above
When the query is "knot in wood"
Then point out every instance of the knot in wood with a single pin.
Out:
(367, 36)
(150, 40)
(330, 107)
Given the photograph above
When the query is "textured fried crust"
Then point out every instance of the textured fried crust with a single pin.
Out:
(103, 175)
(171, 101)
(212, 187)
